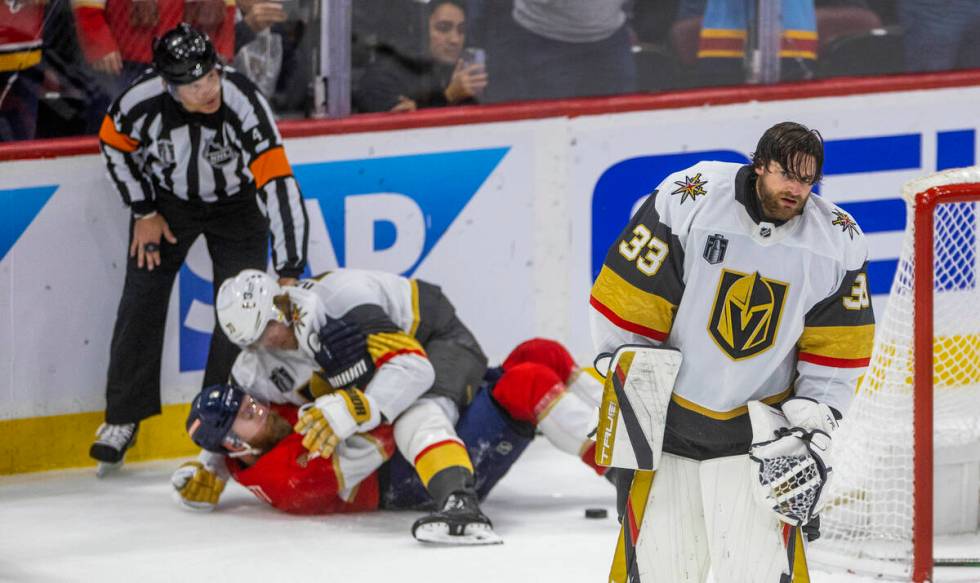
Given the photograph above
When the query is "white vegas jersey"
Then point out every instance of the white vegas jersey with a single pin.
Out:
(384, 306)
(759, 310)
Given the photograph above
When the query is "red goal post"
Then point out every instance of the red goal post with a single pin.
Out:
(919, 398)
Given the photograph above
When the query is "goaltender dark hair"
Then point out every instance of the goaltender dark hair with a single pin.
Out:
(789, 144)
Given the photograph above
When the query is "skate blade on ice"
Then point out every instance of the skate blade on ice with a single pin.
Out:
(106, 468)
(473, 534)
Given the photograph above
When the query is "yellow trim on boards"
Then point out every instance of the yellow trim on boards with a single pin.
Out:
(39, 444)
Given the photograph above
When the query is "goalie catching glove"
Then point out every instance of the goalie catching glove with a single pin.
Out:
(335, 417)
(791, 451)
(197, 485)
(342, 354)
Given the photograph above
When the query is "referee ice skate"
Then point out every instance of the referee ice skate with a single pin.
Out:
(192, 148)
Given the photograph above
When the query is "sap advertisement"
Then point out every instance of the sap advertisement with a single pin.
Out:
(512, 219)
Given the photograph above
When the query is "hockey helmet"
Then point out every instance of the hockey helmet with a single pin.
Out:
(213, 412)
(183, 55)
(246, 304)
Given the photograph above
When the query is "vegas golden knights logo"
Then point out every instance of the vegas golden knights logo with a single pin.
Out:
(745, 317)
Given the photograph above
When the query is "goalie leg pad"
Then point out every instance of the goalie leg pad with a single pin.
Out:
(746, 542)
(672, 542)
(633, 412)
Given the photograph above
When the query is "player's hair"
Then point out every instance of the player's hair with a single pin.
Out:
(789, 144)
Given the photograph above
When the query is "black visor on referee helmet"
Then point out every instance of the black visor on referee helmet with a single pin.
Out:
(183, 55)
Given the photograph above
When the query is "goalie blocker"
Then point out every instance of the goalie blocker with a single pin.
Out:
(752, 514)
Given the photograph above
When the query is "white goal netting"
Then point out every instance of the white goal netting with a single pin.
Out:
(867, 526)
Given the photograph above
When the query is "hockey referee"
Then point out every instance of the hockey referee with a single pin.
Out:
(193, 149)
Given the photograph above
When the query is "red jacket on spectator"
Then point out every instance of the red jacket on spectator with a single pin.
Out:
(20, 34)
(129, 26)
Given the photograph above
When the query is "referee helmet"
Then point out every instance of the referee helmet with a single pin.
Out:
(183, 55)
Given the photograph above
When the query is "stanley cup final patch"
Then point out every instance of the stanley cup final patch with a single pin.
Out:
(714, 249)
(165, 152)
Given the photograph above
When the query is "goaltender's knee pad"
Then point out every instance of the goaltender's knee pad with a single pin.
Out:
(545, 352)
(525, 389)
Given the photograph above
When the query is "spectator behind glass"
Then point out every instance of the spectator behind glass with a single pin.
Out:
(399, 82)
(940, 34)
(726, 29)
(269, 45)
(21, 22)
(117, 35)
(258, 43)
(551, 49)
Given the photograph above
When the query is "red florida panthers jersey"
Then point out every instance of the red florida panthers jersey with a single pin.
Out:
(286, 478)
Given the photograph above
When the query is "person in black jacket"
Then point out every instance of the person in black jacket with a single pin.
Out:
(400, 82)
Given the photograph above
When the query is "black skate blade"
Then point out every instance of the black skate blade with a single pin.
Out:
(473, 534)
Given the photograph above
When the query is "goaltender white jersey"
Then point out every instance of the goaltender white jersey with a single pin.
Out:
(759, 310)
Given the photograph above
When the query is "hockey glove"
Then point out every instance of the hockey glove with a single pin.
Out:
(335, 417)
(793, 461)
(819, 420)
(196, 487)
(343, 354)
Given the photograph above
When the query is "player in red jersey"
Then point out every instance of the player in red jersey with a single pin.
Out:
(537, 387)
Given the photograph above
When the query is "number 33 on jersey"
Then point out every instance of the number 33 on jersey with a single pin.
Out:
(759, 309)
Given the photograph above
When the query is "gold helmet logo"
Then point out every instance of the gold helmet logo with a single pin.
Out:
(746, 313)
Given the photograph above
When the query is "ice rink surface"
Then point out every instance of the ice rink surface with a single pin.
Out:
(69, 526)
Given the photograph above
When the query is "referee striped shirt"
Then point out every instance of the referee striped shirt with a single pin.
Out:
(153, 148)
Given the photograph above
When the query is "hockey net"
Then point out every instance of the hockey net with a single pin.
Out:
(879, 518)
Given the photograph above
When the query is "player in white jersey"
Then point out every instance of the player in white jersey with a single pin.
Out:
(364, 347)
(538, 387)
(762, 286)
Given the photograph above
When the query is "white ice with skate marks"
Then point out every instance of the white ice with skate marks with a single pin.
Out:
(67, 526)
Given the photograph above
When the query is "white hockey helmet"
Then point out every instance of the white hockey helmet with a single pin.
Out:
(245, 305)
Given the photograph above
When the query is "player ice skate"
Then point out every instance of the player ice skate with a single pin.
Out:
(537, 387)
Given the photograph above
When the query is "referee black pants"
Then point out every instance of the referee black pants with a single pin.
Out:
(237, 236)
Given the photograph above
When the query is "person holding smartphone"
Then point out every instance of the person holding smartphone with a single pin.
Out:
(447, 75)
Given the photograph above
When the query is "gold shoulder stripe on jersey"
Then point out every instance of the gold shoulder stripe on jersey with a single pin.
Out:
(630, 307)
(416, 314)
(384, 346)
(838, 342)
